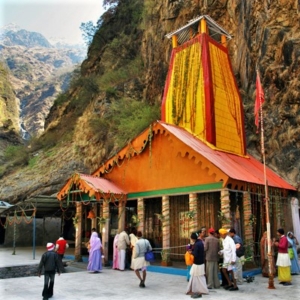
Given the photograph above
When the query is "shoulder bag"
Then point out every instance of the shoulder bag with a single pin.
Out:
(149, 255)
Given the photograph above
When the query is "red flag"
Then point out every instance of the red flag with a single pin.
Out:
(259, 100)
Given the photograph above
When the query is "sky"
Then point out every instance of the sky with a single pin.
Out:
(59, 19)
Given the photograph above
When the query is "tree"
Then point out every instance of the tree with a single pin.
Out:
(88, 31)
(110, 3)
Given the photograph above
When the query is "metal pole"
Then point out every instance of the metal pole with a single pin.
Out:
(270, 260)
(33, 237)
(14, 241)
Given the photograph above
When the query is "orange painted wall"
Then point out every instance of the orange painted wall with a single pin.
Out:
(168, 166)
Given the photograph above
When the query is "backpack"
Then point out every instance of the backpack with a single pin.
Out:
(241, 251)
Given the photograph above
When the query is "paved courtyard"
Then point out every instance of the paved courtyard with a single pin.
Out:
(112, 284)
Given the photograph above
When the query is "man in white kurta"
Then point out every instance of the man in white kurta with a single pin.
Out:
(123, 243)
(229, 259)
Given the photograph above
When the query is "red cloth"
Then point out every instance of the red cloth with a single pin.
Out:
(62, 246)
(283, 245)
(259, 100)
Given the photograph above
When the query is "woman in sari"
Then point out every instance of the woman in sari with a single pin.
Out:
(116, 253)
(283, 260)
(95, 259)
(264, 256)
(295, 268)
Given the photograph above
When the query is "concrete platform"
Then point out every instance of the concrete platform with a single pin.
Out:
(77, 283)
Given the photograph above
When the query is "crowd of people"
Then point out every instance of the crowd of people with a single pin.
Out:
(220, 251)
(223, 251)
(208, 254)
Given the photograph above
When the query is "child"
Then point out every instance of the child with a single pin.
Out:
(189, 258)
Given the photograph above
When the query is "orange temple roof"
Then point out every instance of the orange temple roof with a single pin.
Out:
(243, 168)
(93, 186)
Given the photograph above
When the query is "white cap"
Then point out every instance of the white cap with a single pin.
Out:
(50, 246)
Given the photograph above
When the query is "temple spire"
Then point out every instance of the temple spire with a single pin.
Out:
(201, 94)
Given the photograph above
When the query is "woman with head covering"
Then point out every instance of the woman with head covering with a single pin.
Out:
(116, 253)
(95, 260)
(293, 242)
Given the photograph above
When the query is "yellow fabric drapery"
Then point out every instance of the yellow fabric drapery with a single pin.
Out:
(195, 75)
(185, 104)
(227, 105)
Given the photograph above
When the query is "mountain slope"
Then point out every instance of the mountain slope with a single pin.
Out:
(25, 38)
(9, 122)
(127, 63)
(38, 73)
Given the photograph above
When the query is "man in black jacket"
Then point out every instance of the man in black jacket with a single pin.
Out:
(50, 263)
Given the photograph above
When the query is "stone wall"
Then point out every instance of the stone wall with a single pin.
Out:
(46, 231)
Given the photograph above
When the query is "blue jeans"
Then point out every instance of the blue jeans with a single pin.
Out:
(188, 272)
(48, 284)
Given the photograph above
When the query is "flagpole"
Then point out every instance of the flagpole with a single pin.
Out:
(270, 258)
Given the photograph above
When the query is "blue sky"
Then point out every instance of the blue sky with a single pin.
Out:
(59, 19)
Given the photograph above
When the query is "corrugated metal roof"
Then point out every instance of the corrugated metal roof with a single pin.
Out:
(42, 205)
(184, 33)
(247, 169)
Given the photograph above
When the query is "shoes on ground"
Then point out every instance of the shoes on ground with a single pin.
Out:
(287, 283)
(227, 287)
(233, 289)
(142, 284)
(196, 296)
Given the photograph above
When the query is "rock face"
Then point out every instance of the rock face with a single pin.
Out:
(9, 111)
(129, 58)
(38, 73)
(24, 38)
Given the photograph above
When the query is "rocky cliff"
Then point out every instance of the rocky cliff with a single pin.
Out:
(38, 73)
(9, 111)
(127, 63)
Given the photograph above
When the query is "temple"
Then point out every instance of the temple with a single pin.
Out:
(189, 169)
